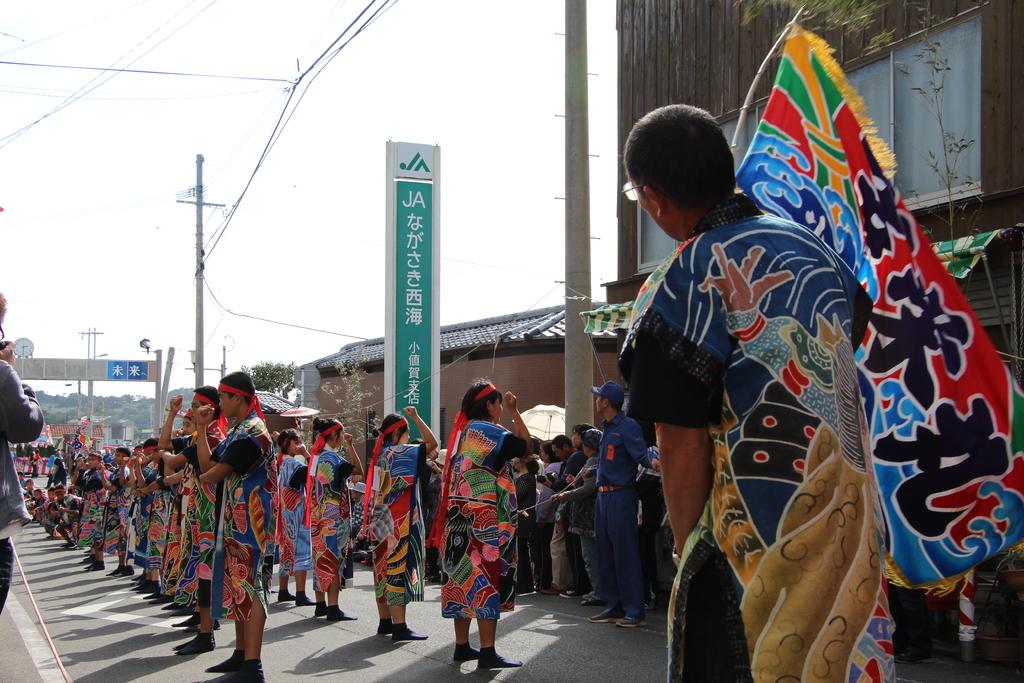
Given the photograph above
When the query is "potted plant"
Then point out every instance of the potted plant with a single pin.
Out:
(1010, 572)
(998, 635)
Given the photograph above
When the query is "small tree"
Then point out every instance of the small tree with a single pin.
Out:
(852, 14)
(277, 378)
(351, 398)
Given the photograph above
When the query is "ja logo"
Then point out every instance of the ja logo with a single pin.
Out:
(416, 165)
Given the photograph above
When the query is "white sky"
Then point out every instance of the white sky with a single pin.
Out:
(93, 237)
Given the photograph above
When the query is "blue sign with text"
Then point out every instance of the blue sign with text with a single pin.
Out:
(128, 370)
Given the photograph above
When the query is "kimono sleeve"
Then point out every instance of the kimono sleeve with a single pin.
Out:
(677, 351)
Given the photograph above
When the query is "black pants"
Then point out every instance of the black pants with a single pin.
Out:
(524, 568)
(652, 503)
(574, 549)
(6, 568)
(910, 615)
(542, 554)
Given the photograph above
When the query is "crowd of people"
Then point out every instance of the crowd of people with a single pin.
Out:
(199, 517)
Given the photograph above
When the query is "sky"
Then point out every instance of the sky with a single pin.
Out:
(93, 237)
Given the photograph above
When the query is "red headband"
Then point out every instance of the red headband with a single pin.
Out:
(371, 470)
(485, 392)
(254, 401)
(149, 449)
(321, 438)
(202, 398)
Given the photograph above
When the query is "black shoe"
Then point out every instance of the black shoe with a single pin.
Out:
(96, 567)
(117, 572)
(334, 613)
(489, 659)
(465, 653)
(203, 642)
(161, 599)
(144, 586)
(251, 672)
(402, 632)
(321, 610)
(302, 601)
(232, 663)
(285, 596)
(385, 627)
(175, 607)
(182, 646)
(191, 621)
(89, 559)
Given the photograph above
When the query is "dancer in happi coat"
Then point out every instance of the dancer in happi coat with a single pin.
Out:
(248, 526)
(394, 513)
(476, 521)
(144, 473)
(110, 518)
(155, 506)
(176, 477)
(94, 497)
(194, 571)
(122, 497)
(293, 534)
(329, 514)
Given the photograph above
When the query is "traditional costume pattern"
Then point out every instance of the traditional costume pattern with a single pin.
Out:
(173, 561)
(294, 540)
(396, 529)
(761, 311)
(159, 520)
(94, 498)
(936, 390)
(199, 527)
(330, 519)
(478, 542)
(248, 526)
(142, 519)
(111, 519)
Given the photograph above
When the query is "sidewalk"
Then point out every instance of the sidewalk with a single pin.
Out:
(19, 666)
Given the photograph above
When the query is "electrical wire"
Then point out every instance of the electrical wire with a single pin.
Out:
(287, 111)
(72, 29)
(148, 72)
(228, 311)
(141, 98)
(100, 80)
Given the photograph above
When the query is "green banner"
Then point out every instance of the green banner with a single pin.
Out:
(414, 240)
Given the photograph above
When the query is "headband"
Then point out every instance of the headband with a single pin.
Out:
(485, 392)
(254, 401)
(321, 438)
(202, 398)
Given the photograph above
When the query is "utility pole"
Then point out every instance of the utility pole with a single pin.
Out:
(197, 193)
(224, 360)
(579, 369)
(90, 354)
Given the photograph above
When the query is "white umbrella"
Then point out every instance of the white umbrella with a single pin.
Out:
(545, 422)
(300, 411)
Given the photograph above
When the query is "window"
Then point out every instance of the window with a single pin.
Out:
(654, 246)
(897, 92)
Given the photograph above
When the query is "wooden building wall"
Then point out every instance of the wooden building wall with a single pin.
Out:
(702, 52)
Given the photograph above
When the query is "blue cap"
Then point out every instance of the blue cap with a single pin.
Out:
(612, 391)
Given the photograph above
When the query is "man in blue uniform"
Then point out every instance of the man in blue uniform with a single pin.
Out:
(618, 550)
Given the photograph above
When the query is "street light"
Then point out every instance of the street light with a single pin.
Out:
(145, 344)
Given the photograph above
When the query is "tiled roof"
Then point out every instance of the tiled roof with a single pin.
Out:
(542, 323)
(98, 432)
(272, 403)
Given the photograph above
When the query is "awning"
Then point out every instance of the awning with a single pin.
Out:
(607, 318)
(959, 256)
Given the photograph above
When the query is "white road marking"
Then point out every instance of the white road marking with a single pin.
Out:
(98, 610)
(34, 641)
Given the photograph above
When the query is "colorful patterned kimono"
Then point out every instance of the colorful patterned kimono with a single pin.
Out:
(171, 569)
(330, 520)
(293, 537)
(396, 532)
(761, 312)
(478, 542)
(248, 526)
(142, 519)
(199, 528)
(124, 506)
(94, 498)
(159, 519)
(112, 523)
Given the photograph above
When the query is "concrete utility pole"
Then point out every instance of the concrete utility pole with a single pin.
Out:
(197, 192)
(579, 369)
(90, 353)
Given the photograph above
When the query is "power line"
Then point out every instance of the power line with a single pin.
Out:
(287, 109)
(140, 98)
(101, 79)
(146, 72)
(277, 322)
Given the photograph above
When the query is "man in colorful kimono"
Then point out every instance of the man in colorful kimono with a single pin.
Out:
(741, 351)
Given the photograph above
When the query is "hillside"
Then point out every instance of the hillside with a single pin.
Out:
(138, 409)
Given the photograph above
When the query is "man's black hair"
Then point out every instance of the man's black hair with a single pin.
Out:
(581, 428)
(682, 153)
(561, 441)
(150, 442)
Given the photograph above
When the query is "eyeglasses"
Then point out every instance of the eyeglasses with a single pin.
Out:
(632, 191)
